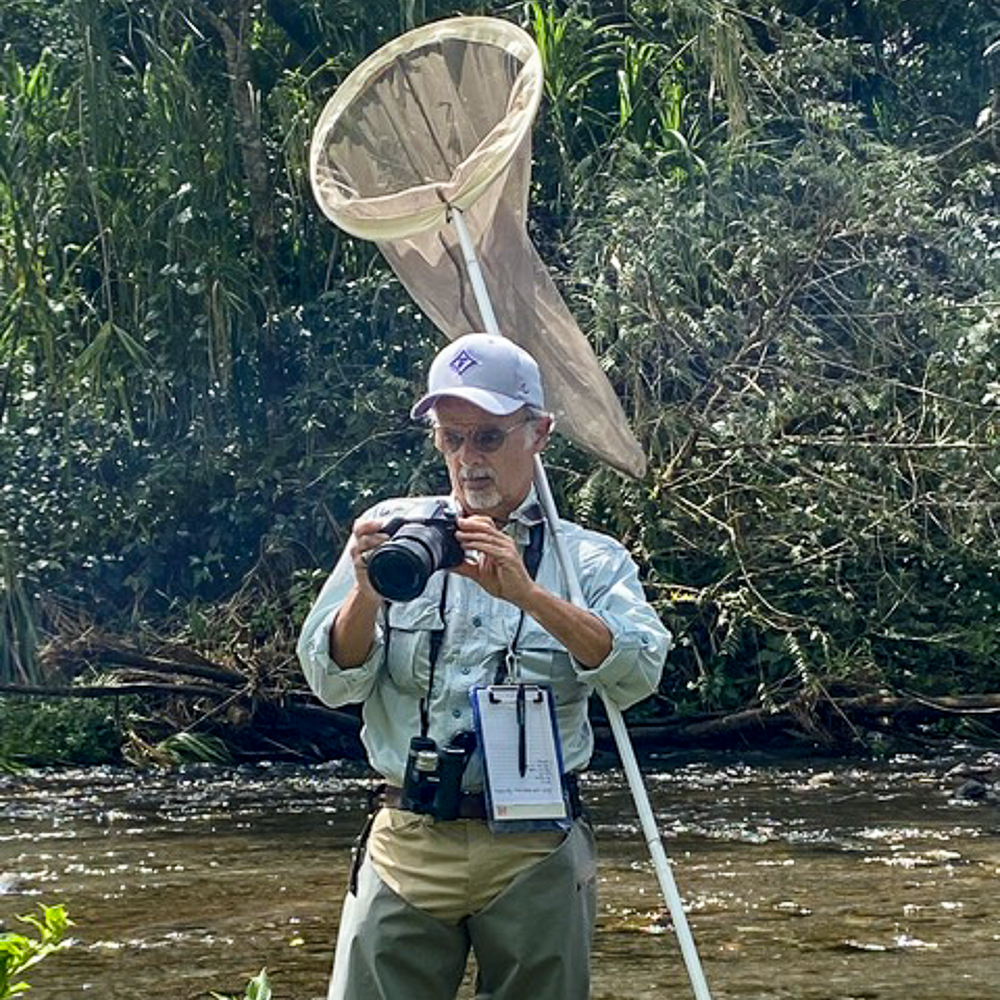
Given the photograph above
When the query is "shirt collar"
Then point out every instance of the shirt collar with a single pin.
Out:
(529, 512)
(523, 518)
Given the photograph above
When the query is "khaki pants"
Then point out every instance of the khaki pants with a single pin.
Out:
(532, 941)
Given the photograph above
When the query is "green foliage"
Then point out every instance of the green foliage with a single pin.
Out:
(157, 519)
(777, 222)
(806, 338)
(924, 69)
(179, 748)
(17, 624)
(621, 96)
(40, 732)
(19, 952)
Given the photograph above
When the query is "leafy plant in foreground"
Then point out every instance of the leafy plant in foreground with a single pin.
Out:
(18, 952)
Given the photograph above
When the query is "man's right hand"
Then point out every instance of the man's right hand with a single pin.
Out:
(366, 537)
(353, 630)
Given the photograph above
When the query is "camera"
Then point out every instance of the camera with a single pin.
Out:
(432, 784)
(399, 569)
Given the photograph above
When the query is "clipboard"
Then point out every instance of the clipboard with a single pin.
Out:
(516, 727)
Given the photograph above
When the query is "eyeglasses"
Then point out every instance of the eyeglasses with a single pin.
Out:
(484, 439)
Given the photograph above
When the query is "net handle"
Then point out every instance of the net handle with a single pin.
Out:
(623, 741)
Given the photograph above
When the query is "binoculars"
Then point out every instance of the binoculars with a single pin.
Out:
(432, 784)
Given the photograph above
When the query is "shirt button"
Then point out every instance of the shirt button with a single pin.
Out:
(456, 713)
(466, 670)
(477, 621)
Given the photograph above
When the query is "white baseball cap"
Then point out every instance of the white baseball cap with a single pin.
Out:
(491, 372)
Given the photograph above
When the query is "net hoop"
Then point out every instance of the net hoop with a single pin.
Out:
(423, 207)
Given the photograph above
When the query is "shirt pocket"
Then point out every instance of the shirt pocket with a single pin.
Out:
(544, 660)
(407, 657)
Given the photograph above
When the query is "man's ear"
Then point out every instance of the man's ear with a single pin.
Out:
(544, 426)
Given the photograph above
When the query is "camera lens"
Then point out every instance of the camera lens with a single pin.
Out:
(399, 569)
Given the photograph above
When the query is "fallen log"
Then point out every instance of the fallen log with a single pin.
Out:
(73, 660)
(302, 704)
(807, 716)
(113, 690)
(828, 720)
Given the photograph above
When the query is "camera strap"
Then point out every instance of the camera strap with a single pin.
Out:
(437, 638)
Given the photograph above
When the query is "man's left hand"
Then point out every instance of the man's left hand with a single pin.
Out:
(499, 568)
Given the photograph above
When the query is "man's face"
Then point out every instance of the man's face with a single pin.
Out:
(485, 481)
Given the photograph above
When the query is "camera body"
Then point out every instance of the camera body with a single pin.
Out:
(432, 784)
(399, 569)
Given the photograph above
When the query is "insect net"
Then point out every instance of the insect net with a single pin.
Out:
(441, 117)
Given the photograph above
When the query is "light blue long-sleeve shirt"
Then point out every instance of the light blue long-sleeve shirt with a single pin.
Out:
(478, 629)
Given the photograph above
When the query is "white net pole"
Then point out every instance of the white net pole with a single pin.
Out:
(664, 875)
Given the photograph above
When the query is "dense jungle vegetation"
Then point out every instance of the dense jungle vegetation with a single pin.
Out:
(778, 224)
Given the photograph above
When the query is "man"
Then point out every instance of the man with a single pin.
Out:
(429, 888)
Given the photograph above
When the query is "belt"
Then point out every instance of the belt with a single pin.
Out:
(472, 805)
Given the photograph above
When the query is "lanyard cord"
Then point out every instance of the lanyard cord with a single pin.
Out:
(509, 671)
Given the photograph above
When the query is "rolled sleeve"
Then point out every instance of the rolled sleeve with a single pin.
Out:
(639, 640)
(332, 684)
(632, 670)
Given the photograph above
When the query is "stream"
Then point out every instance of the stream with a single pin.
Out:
(809, 879)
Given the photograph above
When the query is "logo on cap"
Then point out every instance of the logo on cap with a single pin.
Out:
(462, 362)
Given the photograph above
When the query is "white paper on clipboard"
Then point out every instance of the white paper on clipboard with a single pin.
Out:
(537, 793)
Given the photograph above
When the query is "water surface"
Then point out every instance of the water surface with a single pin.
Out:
(814, 880)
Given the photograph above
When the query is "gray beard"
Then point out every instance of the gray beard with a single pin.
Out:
(481, 494)
(484, 498)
